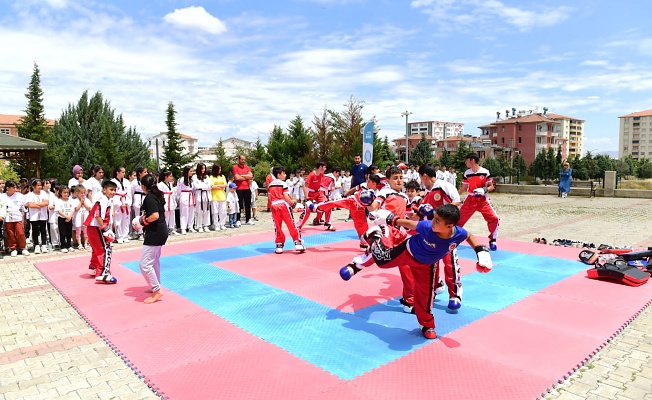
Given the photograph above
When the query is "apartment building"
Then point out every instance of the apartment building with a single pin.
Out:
(635, 135)
(437, 129)
(571, 129)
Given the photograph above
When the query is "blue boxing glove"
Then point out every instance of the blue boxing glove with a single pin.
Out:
(425, 211)
(367, 197)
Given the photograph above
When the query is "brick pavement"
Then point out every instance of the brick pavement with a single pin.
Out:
(48, 351)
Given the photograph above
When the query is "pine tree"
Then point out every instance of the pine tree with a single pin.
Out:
(445, 159)
(221, 158)
(422, 154)
(297, 145)
(322, 138)
(33, 124)
(173, 157)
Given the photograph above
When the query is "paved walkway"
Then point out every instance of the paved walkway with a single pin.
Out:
(48, 351)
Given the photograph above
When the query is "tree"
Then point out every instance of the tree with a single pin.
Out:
(559, 160)
(297, 145)
(494, 167)
(422, 154)
(506, 168)
(346, 127)
(174, 158)
(445, 159)
(276, 146)
(538, 166)
(257, 154)
(82, 131)
(604, 163)
(644, 170)
(322, 138)
(459, 159)
(519, 164)
(383, 155)
(221, 157)
(33, 124)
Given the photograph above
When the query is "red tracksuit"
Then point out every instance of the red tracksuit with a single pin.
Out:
(479, 179)
(281, 212)
(100, 248)
(316, 194)
(445, 193)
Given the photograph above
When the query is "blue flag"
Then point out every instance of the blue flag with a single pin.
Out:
(368, 143)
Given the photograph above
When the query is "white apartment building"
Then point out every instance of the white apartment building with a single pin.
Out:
(635, 135)
(571, 129)
(437, 129)
(157, 145)
(231, 144)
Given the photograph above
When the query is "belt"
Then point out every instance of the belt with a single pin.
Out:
(191, 197)
(201, 197)
(168, 200)
(276, 202)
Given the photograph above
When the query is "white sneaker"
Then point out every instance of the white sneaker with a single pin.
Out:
(238, 224)
(126, 240)
(120, 241)
(174, 232)
(192, 230)
(183, 231)
(37, 249)
(25, 252)
(200, 230)
(72, 249)
(44, 249)
(14, 253)
(64, 250)
(250, 222)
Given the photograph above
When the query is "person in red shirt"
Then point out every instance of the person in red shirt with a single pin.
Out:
(282, 207)
(477, 183)
(315, 195)
(268, 179)
(241, 176)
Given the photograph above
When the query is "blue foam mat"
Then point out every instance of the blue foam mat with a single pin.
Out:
(346, 344)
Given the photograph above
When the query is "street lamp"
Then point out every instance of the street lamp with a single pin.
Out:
(407, 132)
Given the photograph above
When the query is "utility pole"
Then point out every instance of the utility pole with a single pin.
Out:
(407, 134)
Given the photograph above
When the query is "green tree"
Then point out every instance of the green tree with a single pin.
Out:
(459, 159)
(445, 159)
(538, 166)
(519, 164)
(559, 159)
(277, 146)
(322, 138)
(551, 170)
(221, 158)
(174, 158)
(257, 154)
(33, 124)
(644, 169)
(422, 153)
(346, 127)
(80, 134)
(506, 168)
(383, 155)
(297, 145)
(604, 163)
(591, 166)
(494, 168)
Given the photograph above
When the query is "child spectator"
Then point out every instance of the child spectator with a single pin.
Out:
(254, 196)
(186, 201)
(201, 185)
(98, 225)
(36, 202)
(65, 209)
(233, 206)
(152, 221)
(137, 196)
(218, 197)
(82, 209)
(122, 205)
(282, 207)
(53, 218)
(165, 180)
(14, 220)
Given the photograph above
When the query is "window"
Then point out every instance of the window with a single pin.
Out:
(520, 128)
(5, 131)
(519, 139)
(503, 140)
(503, 126)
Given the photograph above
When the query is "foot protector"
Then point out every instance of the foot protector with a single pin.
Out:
(454, 303)
(440, 288)
(348, 271)
(108, 279)
(428, 333)
(492, 245)
(298, 246)
(407, 307)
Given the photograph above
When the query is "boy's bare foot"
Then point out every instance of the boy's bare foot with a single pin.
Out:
(154, 297)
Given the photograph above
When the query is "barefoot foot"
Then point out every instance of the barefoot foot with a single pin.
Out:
(156, 296)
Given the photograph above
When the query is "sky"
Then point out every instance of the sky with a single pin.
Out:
(239, 67)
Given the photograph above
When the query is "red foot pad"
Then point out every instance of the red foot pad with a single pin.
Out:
(623, 273)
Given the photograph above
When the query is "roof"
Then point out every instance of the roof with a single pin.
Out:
(526, 119)
(415, 136)
(183, 136)
(646, 113)
(8, 142)
(8, 119)
(559, 116)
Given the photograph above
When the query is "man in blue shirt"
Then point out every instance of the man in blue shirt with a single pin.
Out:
(358, 171)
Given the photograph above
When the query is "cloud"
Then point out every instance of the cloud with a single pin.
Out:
(195, 18)
(461, 14)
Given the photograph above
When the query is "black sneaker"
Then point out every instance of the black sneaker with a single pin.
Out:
(407, 307)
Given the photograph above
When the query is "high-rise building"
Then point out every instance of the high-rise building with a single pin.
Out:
(571, 129)
(437, 129)
(635, 135)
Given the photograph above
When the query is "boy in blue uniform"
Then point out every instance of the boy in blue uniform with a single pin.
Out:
(433, 240)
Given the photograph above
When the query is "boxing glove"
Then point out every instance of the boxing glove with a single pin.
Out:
(484, 263)
(367, 197)
(108, 234)
(425, 211)
(478, 192)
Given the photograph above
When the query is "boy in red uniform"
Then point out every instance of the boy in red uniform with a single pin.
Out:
(315, 195)
(100, 235)
(477, 183)
(281, 206)
(418, 253)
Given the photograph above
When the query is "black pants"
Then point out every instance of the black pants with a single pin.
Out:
(244, 200)
(39, 229)
(65, 233)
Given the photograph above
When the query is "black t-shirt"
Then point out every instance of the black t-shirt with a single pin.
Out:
(156, 233)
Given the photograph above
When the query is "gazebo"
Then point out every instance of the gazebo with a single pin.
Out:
(18, 148)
